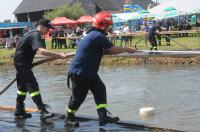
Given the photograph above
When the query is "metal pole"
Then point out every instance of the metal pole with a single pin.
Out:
(165, 51)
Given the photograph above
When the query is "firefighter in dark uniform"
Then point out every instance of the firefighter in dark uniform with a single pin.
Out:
(83, 72)
(166, 26)
(151, 35)
(30, 43)
(159, 36)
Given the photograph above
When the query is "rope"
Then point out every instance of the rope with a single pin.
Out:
(177, 42)
(144, 38)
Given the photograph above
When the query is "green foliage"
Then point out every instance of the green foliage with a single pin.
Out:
(7, 21)
(74, 11)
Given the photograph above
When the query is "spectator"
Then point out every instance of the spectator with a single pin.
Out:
(54, 40)
(9, 44)
(166, 26)
(111, 35)
(61, 41)
(145, 28)
(79, 31)
(17, 40)
(125, 31)
(159, 37)
(85, 32)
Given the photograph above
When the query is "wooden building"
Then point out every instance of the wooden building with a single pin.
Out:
(33, 10)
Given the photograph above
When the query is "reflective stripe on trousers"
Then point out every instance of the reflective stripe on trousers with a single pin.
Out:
(21, 93)
(101, 106)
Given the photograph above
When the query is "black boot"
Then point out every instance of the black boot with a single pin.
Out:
(70, 120)
(20, 112)
(44, 113)
(104, 118)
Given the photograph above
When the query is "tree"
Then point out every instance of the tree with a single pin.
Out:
(156, 2)
(74, 11)
(97, 8)
(7, 21)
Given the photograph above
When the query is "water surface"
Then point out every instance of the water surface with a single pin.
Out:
(173, 91)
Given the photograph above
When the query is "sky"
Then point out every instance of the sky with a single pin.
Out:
(8, 6)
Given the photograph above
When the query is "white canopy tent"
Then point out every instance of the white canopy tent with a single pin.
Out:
(183, 6)
(124, 17)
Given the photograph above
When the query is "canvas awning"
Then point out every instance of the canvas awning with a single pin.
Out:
(85, 19)
(124, 17)
(184, 7)
(15, 25)
(146, 15)
(169, 12)
(62, 21)
(196, 11)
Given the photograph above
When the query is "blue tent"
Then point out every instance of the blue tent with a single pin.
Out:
(15, 25)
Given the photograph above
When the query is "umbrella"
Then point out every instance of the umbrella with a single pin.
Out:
(169, 9)
(62, 21)
(85, 19)
(146, 15)
(168, 12)
(186, 6)
(170, 15)
(197, 11)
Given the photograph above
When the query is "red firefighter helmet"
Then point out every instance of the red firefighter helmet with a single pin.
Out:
(102, 20)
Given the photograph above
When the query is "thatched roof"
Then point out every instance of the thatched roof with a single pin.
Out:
(89, 5)
(39, 5)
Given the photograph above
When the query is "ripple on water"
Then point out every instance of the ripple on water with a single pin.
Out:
(173, 91)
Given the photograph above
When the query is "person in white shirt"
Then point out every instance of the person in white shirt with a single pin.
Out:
(125, 31)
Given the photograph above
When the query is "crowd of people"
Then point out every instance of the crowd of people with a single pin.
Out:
(152, 29)
(59, 35)
(10, 43)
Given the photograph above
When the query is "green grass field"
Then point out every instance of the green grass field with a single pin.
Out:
(6, 53)
(190, 42)
(48, 46)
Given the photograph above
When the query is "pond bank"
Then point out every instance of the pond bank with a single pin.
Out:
(127, 60)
